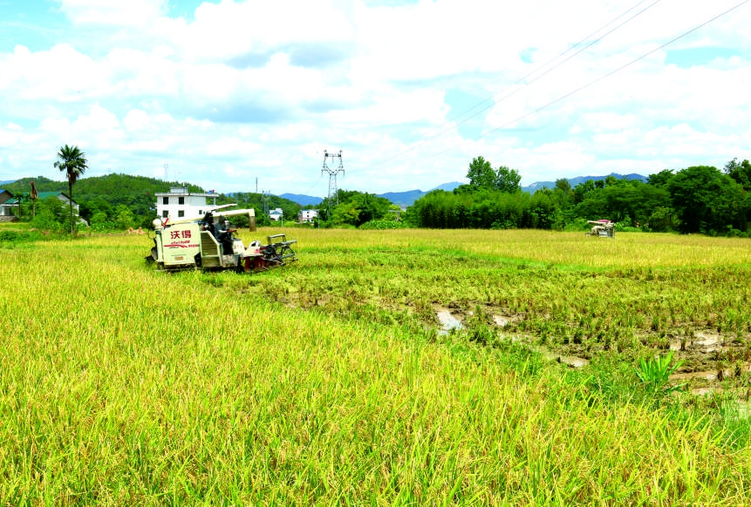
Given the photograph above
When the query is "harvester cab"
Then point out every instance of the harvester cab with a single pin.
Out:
(210, 243)
(602, 228)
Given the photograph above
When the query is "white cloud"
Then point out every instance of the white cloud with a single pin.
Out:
(257, 88)
(233, 147)
(112, 12)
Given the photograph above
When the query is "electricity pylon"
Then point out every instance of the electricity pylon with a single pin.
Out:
(333, 191)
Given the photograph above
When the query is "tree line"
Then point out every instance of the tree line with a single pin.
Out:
(698, 199)
(114, 201)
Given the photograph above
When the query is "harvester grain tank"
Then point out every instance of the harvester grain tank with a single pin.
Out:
(210, 243)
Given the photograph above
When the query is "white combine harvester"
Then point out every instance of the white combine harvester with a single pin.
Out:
(602, 228)
(210, 243)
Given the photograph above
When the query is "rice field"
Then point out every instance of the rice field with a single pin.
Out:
(332, 381)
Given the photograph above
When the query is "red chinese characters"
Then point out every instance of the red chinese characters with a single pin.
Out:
(180, 234)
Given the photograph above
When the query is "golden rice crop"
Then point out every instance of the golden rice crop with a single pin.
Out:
(121, 385)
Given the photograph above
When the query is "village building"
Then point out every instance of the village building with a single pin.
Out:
(7, 206)
(10, 206)
(179, 203)
(62, 196)
(307, 215)
(276, 214)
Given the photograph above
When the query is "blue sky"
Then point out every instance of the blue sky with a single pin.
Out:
(228, 91)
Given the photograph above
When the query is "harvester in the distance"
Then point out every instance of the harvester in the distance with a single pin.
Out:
(210, 243)
(602, 228)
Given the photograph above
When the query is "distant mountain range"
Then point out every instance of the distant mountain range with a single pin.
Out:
(403, 199)
(398, 198)
(581, 179)
(407, 198)
(303, 200)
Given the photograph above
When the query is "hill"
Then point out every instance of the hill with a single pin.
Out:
(404, 199)
(303, 200)
(105, 193)
(532, 188)
(409, 197)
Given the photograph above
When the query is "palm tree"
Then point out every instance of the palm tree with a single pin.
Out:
(71, 160)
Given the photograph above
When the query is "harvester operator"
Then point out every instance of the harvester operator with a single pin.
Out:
(224, 235)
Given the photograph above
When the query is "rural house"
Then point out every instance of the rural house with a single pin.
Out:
(179, 203)
(7, 205)
(276, 214)
(307, 215)
(62, 196)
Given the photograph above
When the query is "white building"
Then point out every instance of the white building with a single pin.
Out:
(307, 215)
(180, 203)
(276, 214)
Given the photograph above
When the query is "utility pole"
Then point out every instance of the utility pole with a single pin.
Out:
(265, 201)
(332, 172)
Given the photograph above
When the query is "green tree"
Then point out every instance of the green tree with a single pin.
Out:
(582, 189)
(124, 218)
(50, 215)
(481, 173)
(564, 185)
(661, 178)
(740, 172)
(24, 203)
(707, 201)
(71, 161)
(507, 180)
(98, 218)
(346, 213)
(356, 208)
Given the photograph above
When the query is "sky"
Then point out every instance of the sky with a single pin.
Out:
(249, 95)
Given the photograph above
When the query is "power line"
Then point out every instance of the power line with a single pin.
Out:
(587, 46)
(605, 76)
(523, 79)
(448, 126)
(307, 192)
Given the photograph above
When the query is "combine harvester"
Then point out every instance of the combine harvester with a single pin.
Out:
(211, 244)
(602, 228)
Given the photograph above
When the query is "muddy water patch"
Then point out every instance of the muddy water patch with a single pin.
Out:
(702, 341)
(708, 341)
(570, 361)
(573, 361)
(500, 321)
(504, 320)
(709, 382)
(717, 375)
(448, 321)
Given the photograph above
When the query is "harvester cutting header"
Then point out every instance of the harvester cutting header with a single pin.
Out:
(210, 243)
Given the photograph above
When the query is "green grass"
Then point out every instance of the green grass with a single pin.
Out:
(326, 383)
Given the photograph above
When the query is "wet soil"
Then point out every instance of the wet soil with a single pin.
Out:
(711, 362)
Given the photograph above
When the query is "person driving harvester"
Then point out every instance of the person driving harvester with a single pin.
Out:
(223, 235)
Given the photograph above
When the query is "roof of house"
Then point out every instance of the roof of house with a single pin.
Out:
(44, 195)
